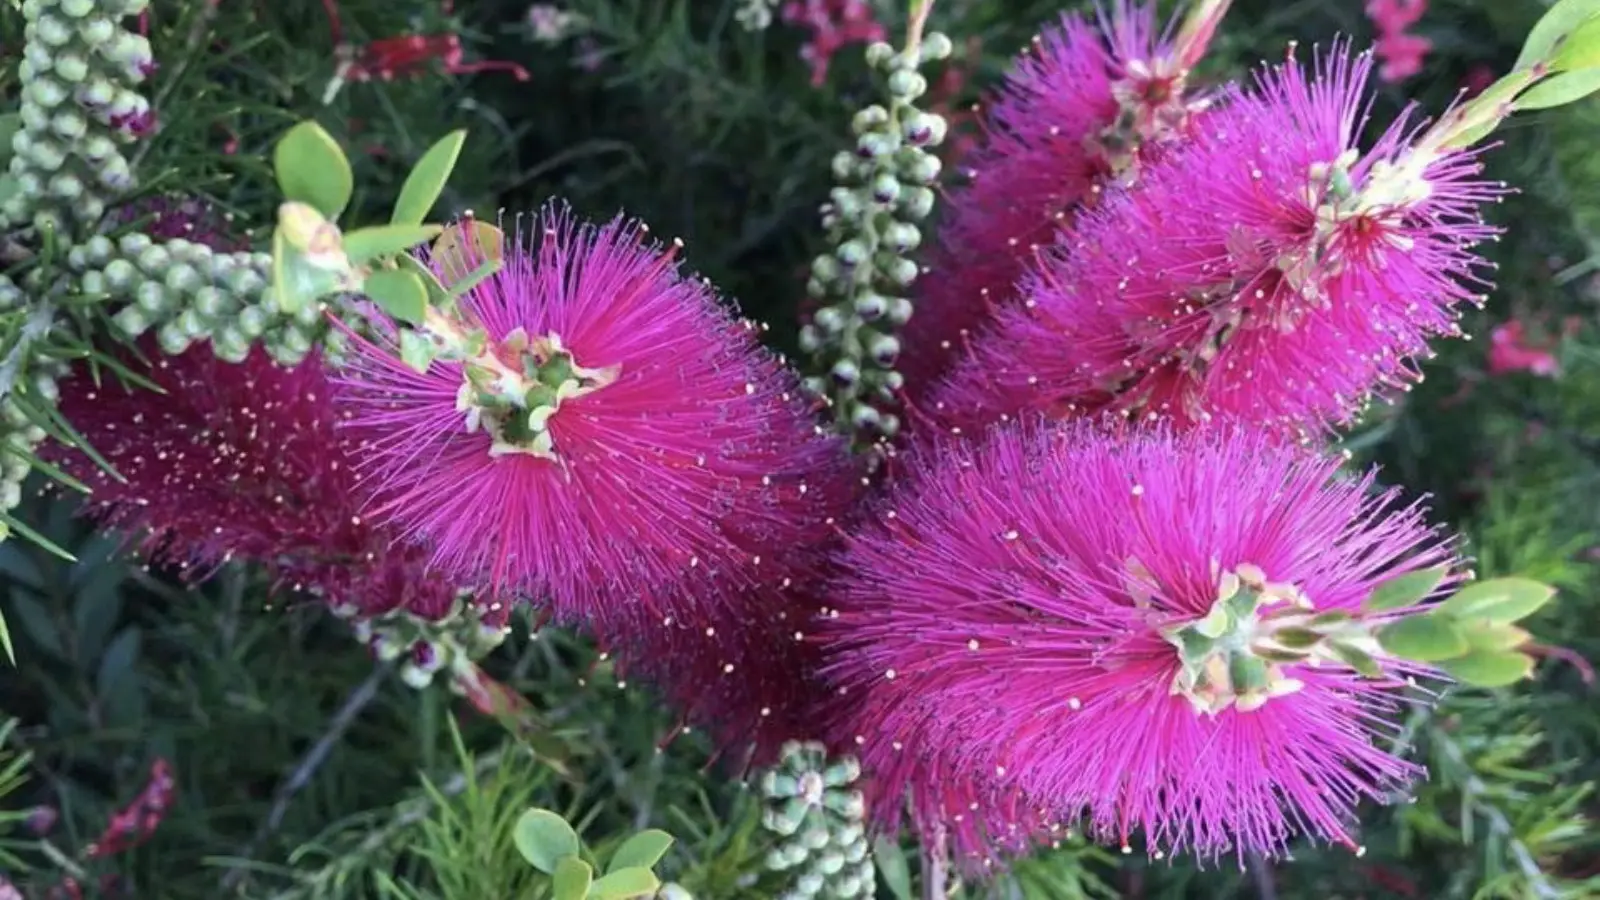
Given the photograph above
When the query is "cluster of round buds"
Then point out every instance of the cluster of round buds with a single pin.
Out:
(818, 819)
(669, 891)
(190, 292)
(755, 15)
(79, 70)
(19, 434)
(885, 187)
(452, 642)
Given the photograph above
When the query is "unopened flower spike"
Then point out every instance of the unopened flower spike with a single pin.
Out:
(817, 815)
(1092, 101)
(886, 186)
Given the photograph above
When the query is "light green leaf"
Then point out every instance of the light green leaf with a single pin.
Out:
(463, 247)
(1407, 590)
(623, 884)
(1581, 49)
(1356, 658)
(1469, 136)
(1502, 600)
(1426, 638)
(890, 861)
(427, 180)
(643, 849)
(543, 838)
(312, 169)
(1552, 27)
(1559, 90)
(5, 641)
(571, 879)
(416, 351)
(1494, 636)
(401, 294)
(1489, 668)
(367, 244)
(288, 299)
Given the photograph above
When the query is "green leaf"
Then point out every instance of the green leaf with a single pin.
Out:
(312, 169)
(463, 247)
(427, 180)
(10, 124)
(571, 879)
(5, 642)
(1502, 600)
(1559, 90)
(1425, 638)
(1469, 136)
(1407, 590)
(1356, 658)
(367, 244)
(1297, 638)
(416, 351)
(117, 665)
(1581, 49)
(626, 883)
(1494, 636)
(472, 279)
(8, 522)
(1552, 27)
(543, 838)
(401, 294)
(890, 861)
(288, 299)
(1489, 668)
(643, 849)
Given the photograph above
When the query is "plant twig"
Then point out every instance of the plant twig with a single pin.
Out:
(307, 768)
(935, 855)
(1261, 874)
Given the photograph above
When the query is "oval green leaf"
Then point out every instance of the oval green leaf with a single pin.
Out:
(367, 244)
(1552, 27)
(427, 180)
(463, 248)
(644, 849)
(890, 861)
(626, 883)
(1426, 639)
(284, 294)
(543, 838)
(1407, 590)
(1482, 635)
(1581, 48)
(572, 879)
(1559, 90)
(312, 169)
(399, 293)
(1502, 600)
(1489, 668)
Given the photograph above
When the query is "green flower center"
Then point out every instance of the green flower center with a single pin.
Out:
(514, 400)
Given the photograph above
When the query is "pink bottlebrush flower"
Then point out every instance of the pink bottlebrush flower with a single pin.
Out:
(1402, 55)
(1268, 270)
(1077, 112)
(1012, 629)
(1511, 351)
(180, 216)
(136, 823)
(676, 465)
(834, 24)
(240, 461)
(746, 673)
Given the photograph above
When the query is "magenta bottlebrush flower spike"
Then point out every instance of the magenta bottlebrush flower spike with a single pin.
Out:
(1268, 270)
(1076, 114)
(1056, 622)
(241, 461)
(614, 440)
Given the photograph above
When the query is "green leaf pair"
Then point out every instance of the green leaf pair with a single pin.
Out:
(551, 845)
(1471, 636)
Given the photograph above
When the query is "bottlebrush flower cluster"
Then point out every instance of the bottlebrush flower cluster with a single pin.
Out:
(1076, 115)
(1294, 274)
(1019, 624)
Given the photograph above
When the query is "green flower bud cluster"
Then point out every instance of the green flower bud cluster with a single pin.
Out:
(78, 71)
(755, 15)
(454, 641)
(885, 188)
(188, 292)
(819, 821)
(19, 434)
(673, 891)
